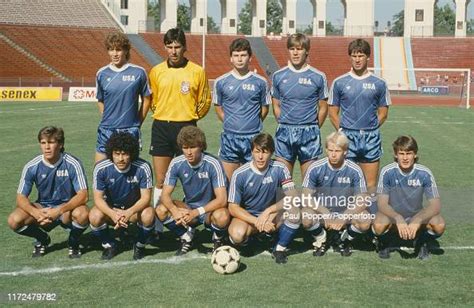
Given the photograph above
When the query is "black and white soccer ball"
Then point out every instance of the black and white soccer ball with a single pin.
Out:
(225, 260)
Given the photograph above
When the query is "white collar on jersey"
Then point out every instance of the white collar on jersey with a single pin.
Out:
(118, 70)
(355, 76)
(337, 169)
(197, 165)
(406, 173)
(47, 164)
(301, 70)
(240, 77)
(123, 171)
(255, 169)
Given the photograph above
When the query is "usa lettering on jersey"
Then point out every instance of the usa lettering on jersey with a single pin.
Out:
(128, 78)
(303, 80)
(248, 87)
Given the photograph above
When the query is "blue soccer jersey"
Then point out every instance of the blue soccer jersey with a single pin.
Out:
(254, 190)
(299, 93)
(406, 190)
(199, 182)
(119, 90)
(335, 188)
(359, 99)
(56, 184)
(241, 98)
(122, 187)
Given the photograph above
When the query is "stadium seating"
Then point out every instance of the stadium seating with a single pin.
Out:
(75, 52)
(84, 13)
(19, 64)
(217, 51)
(443, 52)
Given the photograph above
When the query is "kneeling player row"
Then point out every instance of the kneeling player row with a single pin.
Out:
(261, 197)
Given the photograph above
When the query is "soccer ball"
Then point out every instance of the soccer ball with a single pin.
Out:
(225, 260)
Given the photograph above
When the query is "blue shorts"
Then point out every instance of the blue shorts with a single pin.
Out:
(298, 141)
(236, 148)
(365, 146)
(103, 135)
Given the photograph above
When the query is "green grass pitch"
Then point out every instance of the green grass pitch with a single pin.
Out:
(445, 137)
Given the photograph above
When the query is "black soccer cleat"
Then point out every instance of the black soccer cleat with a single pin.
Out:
(423, 252)
(280, 257)
(39, 249)
(109, 252)
(217, 243)
(346, 248)
(319, 251)
(384, 253)
(138, 252)
(74, 252)
(184, 248)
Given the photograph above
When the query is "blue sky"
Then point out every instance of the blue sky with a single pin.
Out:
(384, 10)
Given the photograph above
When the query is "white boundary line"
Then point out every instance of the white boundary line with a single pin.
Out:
(171, 260)
(103, 265)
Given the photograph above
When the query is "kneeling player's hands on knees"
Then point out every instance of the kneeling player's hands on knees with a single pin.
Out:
(403, 231)
(190, 215)
(413, 227)
(269, 227)
(261, 221)
(53, 213)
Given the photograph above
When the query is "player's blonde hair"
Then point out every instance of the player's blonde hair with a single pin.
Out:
(339, 139)
(117, 39)
(298, 39)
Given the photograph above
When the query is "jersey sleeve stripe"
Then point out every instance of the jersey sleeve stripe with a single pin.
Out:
(30, 164)
(217, 166)
(382, 174)
(233, 181)
(79, 171)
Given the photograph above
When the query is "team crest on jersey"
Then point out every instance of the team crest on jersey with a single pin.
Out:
(368, 86)
(414, 182)
(185, 87)
(62, 172)
(326, 178)
(304, 80)
(43, 176)
(186, 175)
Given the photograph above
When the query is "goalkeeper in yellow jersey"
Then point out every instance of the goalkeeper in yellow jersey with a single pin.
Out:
(180, 97)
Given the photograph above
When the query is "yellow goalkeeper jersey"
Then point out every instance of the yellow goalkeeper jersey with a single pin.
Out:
(179, 94)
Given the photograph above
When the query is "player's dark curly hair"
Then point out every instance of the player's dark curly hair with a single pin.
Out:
(264, 141)
(191, 136)
(359, 45)
(240, 44)
(122, 141)
(48, 132)
(175, 35)
(117, 39)
(405, 143)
